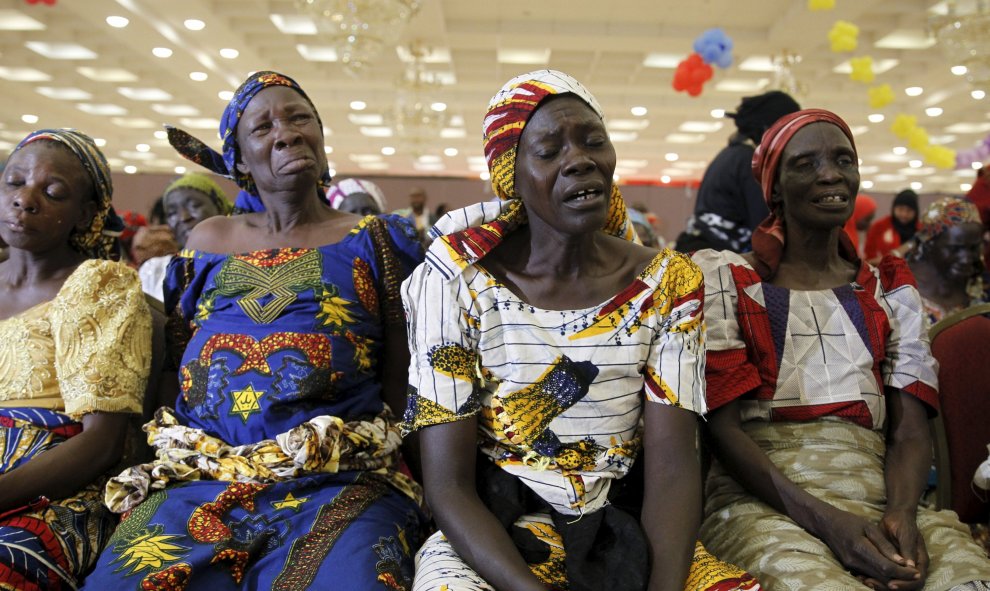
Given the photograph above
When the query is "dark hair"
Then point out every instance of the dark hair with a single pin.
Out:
(756, 114)
(156, 217)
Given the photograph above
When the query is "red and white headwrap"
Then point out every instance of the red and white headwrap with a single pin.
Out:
(509, 111)
(338, 191)
(768, 238)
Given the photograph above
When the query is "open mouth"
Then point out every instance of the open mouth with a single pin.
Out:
(582, 196)
(831, 200)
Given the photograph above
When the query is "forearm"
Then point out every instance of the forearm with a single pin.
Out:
(909, 454)
(671, 518)
(64, 470)
(483, 543)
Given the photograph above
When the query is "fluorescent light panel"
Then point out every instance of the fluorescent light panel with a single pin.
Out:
(64, 94)
(15, 20)
(293, 24)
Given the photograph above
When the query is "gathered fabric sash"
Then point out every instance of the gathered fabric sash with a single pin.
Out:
(322, 445)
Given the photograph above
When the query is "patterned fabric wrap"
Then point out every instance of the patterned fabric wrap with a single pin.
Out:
(337, 192)
(944, 214)
(247, 203)
(97, 241)
(841, 464)
(47, 544)
(509, 111)
(800, 355)
(768, 238)
(205, 185)
(279, 468)
(225, 165)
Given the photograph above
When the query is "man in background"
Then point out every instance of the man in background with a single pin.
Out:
(417, 213)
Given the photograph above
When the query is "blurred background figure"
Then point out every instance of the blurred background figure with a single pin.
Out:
(644, 229)
(730, 203)
(152, 241)
(132, 221)
(188, 201)
(863, 212)
(440, 211)
(979, 195)
(156, 216)
(890, 234)
(417, 213)
(357, 196)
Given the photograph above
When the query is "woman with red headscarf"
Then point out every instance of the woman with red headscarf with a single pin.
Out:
(820, 383)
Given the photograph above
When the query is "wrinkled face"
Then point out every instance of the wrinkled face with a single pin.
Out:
(359, 203)
(955, 253)
(564, 166)
(184, 209)
(905, 214)
(280, 141)
(46, 194)
(818, 177)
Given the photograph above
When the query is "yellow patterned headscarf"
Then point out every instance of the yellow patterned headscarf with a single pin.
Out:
(509, 111)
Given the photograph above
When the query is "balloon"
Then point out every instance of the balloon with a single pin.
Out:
(862, 69)
(714, 47)
(821, 4)
(691, 75)
(903, 124)
(881, 96)
(843, 36)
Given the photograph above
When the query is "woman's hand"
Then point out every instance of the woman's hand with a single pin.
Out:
(865, 549)
(901, 528)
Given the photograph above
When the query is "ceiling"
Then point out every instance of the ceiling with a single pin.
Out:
(624, 52)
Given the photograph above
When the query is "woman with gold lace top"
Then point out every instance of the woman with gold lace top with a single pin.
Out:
(75, 347)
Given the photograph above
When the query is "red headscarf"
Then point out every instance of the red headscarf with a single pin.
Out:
(864, 208)
(768, 239)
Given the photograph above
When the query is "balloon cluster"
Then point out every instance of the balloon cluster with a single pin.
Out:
(843, 36)
(966, 158)
(906, 127)
(711, 47)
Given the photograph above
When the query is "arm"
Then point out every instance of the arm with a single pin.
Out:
(63, 470)
(395, 382)
(859, 545)
(672, 494)
(449, 452)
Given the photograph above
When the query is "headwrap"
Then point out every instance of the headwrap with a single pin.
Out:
(768, 238)
(944, 214)
(510, 110)
(132, 222)
(205, 185)
(337, 192)
(247, 203)
(907, 198)
(226, 165)
(98, 240)
(864, 207)
(756, 114)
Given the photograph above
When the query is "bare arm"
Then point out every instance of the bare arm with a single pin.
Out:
(395, 382)
(449, 452)
(859, 545)
(672, 494)
(60, 472)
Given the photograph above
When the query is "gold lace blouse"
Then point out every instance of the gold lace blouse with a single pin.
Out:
(86, 350)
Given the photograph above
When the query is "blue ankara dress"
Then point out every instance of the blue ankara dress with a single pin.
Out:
(279, 337)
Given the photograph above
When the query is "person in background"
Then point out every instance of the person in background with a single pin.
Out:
(556, 365)
(861, 219)
(979, 195)
(820, 384)
(417, 213)
(75, 353)
(643, 229)
(730, 204)
(358, 196)
(890, 234)
(132, 221)
(188, 201)
(946, 257)
(440, 211)
(151, 242)
(279, 467)
(156, 217)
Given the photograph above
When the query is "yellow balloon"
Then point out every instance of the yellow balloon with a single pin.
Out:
(843, 36)
(862, 69)
(821, 4)
(881, 96)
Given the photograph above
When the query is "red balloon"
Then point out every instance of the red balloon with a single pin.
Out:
(691, 75)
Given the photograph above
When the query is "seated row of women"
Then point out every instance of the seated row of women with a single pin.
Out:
(552, 369)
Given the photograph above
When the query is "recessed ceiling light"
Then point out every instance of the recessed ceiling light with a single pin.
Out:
(671, 157)
(226, 95)
(359, 105)
(13, 20)
(100, 142)
(718, 113)
(906, 39)
(866, 184)
(916, 185)
(180, 170)
(915, 163)
(451, 152)
(317, 53)
(965, 187)
(685, 138)
(64, 94)
(332, 172)
(328, 149)
(639, 111)
(741, 85)
(101, 109)
(133, 122)
(61, 51)
(757, 63)
(485, 175)
(388, 151)
(899, 150)
(875, 117)
(175, 110)
(161, 134)
(144, 94)
(976, 165)
(198, 76)
(620, 137)
(194, 24)
(452, 133)
(959, 70)
(376, 131)
(107, 74)
(130, 169)
(199, 122)
(23, 74)
(293, 24)
(667, 61)
(522, 56)
(665, 179)
(365, 158)
(118, 22)
(439, 107)
(933, 111)
(143, 148)
(161, 52)
(978, 94)
(700, 126)
(229, 53)
(628, 124)
(914, 90)
(29, 119)
(365, 118)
